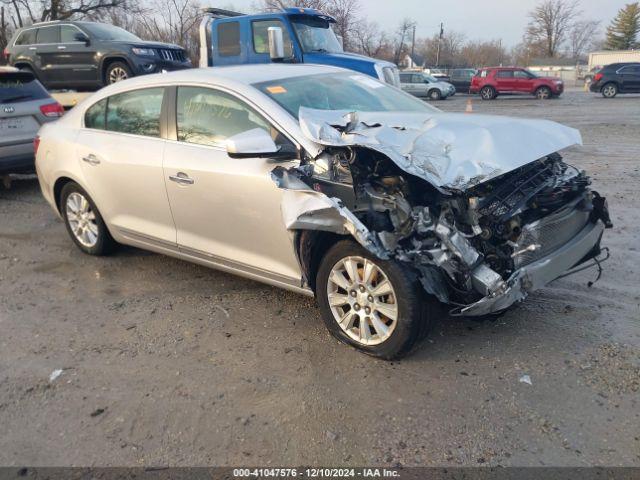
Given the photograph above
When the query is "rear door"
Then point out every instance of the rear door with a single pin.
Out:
(47, 40)
(505, 81)
(227, 211)
(120, 153)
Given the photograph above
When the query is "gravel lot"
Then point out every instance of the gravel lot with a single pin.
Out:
(168, 363)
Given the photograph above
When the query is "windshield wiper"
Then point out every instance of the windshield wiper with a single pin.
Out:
(16, 98)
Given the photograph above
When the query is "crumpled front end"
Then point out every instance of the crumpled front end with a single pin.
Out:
(478, 241)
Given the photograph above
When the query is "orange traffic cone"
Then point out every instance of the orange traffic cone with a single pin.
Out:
(469, 108)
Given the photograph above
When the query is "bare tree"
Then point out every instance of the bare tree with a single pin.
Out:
(403, 34)
(370, 39)
(277, 5)
(346, 14)
(581, 37)
(550, 22)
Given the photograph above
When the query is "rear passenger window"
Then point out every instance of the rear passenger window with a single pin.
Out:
(47, 35)
(95, 117)
(137, 112)
(261, 36)
(209, 117)
(28, 37)
(229, 39)
(504, 74)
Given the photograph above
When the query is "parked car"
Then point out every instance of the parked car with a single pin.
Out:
(461, 78)
(24, 106)
(423, 85)
(617, 78)
(65, 54)
(437, 73)
(491, 82)
(328, 183)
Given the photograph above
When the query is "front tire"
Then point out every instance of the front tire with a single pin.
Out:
(435, 94)
(374, 305)
(609, 90)
(488, 93)
(84, 222)
(543, 93)
(116, 72)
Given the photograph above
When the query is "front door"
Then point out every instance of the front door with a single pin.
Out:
(120, 152)
(227, 211)
(630, 78)
(75, 61)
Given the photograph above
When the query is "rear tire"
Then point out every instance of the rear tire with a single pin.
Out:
(488, 93)
(609, 90)
(381, 315)
(84, 222)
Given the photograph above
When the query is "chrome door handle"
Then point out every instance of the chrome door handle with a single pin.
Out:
(182, 179)
(91, 159)
(61, 47)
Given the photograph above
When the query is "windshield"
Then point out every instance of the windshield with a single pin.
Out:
(340, 91)
(316, 35)
(103, 31)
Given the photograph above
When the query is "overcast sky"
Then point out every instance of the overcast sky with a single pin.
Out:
(478, 19)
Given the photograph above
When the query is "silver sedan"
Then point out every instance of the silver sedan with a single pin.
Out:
(328, 183)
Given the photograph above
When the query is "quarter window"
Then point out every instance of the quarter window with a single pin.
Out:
(136, 112)
(209, 117)
(47, 35)
(261, 36)
(95, 116)
(229, 39)
(28, 37)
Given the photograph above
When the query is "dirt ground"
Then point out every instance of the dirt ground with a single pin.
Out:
(168, 363)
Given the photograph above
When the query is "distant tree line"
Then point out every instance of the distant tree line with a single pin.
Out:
(556, 29)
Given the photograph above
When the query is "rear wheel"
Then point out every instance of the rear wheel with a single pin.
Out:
(610, 90)
(371, 304)
(434, 94)
(543, 93)
(84, 222)
(488, 93)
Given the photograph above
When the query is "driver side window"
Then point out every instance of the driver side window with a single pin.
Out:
(208, 117)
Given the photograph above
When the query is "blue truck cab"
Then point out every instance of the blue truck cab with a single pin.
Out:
(231, 38)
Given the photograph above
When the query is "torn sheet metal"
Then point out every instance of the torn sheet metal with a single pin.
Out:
(305, 209)
(449, 150)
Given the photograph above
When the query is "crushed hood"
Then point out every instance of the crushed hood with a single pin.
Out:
(449, 150)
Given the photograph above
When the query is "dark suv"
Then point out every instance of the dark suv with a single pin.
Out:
(88, 54)
(617, 78)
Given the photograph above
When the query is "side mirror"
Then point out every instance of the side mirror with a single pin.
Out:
(257, 143)
(81, 37)
(276, 44)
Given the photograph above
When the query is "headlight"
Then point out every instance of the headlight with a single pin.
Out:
(143, 52)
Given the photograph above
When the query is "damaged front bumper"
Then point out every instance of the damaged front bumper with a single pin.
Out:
(538, 274)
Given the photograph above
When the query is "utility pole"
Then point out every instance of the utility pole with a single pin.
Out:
(413, 43)
(439, 42)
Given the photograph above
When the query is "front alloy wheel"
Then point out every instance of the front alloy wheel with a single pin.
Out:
(543, 93)
(377, 306)
(362, 300)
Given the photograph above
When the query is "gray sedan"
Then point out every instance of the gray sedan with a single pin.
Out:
(328, 183)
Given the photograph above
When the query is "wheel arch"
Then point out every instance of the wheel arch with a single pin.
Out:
(110, 59)
(311, 246)
(57, 190)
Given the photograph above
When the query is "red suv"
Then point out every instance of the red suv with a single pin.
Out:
(490, 82)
